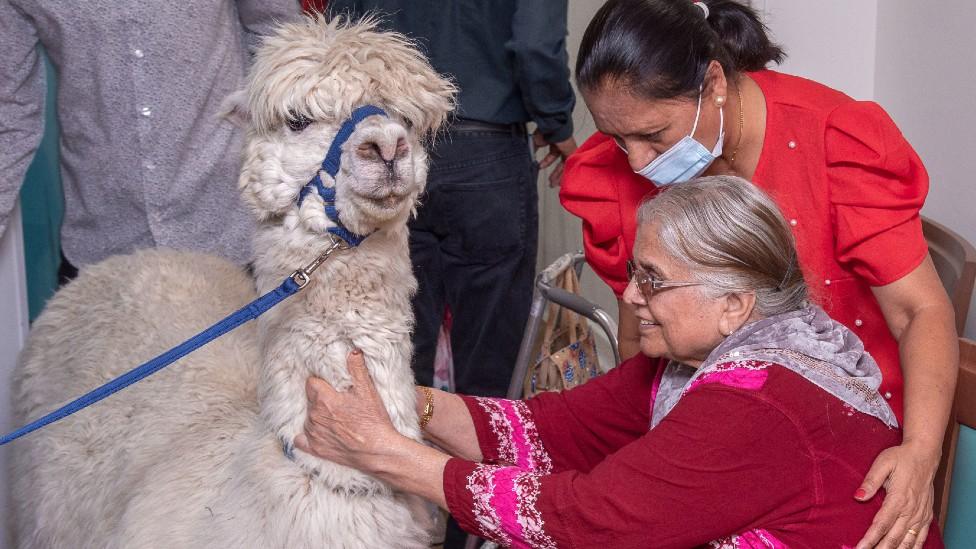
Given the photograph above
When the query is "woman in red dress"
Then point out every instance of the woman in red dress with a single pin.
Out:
(758, 418)
(679, 89)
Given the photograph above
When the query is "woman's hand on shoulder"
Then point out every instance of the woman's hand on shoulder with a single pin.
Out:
(906, 473)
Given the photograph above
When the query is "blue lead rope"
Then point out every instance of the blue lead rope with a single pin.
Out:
(246, 313)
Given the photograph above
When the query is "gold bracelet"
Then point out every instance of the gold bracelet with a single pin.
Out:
(428, 407)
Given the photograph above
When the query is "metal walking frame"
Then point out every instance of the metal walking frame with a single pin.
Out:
(544, 294)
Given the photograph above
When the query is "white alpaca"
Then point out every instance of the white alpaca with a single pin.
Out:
(193, 456)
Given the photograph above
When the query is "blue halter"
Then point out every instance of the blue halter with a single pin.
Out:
(330, 165)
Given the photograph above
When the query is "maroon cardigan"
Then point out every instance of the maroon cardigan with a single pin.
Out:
(753, 455)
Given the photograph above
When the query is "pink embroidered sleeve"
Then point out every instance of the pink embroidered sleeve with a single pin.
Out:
(507, 433)
(571, 430)
(501, 504)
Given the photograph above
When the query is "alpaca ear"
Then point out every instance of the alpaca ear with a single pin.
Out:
(234, 108)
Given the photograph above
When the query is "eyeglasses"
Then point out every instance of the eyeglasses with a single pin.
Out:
(648, 284)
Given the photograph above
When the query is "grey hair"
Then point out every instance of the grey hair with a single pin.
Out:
(733, 237)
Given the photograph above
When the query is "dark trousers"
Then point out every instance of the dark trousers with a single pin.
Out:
(473, 247)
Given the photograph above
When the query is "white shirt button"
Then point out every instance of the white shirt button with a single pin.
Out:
(138, 53)
(859, 322)
(146, 111)
(827, 282)
(887, 395)
(793, 222)
(791, 144)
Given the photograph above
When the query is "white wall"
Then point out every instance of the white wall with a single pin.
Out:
(926, 78)
(13, 331)
(830, 41)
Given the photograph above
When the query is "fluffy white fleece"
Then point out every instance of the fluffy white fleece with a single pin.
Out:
(192, 456)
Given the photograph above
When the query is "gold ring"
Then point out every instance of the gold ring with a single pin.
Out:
(913, 531)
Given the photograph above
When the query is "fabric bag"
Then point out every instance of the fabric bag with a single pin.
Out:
(567, 356)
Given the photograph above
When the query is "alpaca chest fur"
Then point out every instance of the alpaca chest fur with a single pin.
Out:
(359, 298)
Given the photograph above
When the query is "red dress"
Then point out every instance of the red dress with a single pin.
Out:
(753, 455)
(840, 171)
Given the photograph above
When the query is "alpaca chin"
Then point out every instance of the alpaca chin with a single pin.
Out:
(370, 214)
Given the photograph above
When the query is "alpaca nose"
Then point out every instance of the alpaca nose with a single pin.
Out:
(387, 151)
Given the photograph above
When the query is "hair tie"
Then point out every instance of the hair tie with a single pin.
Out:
(704, 8)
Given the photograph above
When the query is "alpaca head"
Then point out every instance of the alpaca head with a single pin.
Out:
(307, 80)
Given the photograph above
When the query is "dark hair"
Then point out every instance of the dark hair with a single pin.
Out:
(661, 48)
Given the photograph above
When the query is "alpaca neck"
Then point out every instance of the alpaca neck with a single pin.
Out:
(359, 297)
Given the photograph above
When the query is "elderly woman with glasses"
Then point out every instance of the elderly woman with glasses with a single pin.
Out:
(747, 419)
(682, 88)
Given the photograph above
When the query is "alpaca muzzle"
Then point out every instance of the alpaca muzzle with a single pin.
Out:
(330, 165)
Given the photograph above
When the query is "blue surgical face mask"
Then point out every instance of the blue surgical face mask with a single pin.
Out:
(687, 158)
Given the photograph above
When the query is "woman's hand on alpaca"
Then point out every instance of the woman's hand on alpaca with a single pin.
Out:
(349, 427)
(352, 428)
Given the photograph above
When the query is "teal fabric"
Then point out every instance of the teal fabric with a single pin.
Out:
(42, 207)
(960, 530)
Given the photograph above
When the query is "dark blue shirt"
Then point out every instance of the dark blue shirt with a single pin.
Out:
(508, 57)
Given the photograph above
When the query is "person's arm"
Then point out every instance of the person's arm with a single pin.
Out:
(710, 441)
(538, 45)
(920, 316)
(451, 426)
(877, 188)
(22, 92)
(572, 429)
(558, 152)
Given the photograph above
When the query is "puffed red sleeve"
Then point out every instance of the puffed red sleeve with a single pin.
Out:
(574, 429)
(599, 187)
(877, 187)
(659, 491)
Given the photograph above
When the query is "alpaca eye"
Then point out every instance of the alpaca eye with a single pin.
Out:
(297, 122)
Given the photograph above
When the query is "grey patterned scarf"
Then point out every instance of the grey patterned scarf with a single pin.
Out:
(806, 341)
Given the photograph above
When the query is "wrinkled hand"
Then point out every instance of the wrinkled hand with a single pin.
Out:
(557, 152)
(346, 427)
(906, 472)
